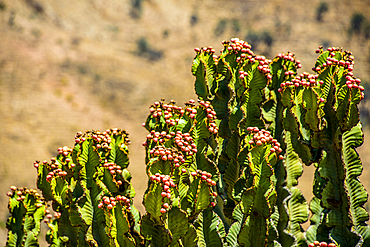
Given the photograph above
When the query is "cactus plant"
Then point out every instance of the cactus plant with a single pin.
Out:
(237, 95)
(180, 153)
(221, 172)
(290, 199)
(27, 210)
(294, 110)
(331, 115)
(90, 190)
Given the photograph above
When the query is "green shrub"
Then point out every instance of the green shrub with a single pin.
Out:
(357, 21)
(321, 10)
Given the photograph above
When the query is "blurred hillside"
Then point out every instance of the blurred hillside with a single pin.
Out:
(67, 66)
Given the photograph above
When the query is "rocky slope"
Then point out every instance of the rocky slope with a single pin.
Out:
(67, 66)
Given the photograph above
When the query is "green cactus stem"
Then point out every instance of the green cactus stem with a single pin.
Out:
(89, 186)
(320, 109)
(357, 194)
(254, 190)
(27, 209)
(233, 83)
(180, 154)
(291, 207)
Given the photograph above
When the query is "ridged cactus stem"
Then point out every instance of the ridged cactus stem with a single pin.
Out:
(180, 154)
(233, 83)
(319, 110)
(90, 190)
(254, 190)
(291, 207)
(27, 209)
(356, 191)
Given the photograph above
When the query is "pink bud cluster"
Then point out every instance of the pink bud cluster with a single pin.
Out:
(205, 49)
(322, 244)
(64, 160)
(290, 57)
(49, 216)
(56, 168)
(21, 193)
(354, 83)
(53, 167)
(204, 176)
(65, 151)
(347, 62)
(213, 199)
(158, 137)
(305, 80)
(242, 74)
(36, 164)
(173, 155)
(211, 116)
(167, 183)
(114, 169)
(102, 139)
(264, 66)
(170, 112)
(208, 50)
(185, 143)
(262, 137)
(68, 162)
(79, 137)
(190, 109)
(111, 202)
(319, 50)
(244, 53)
(184, 146)
(57, 172)
(236, 46)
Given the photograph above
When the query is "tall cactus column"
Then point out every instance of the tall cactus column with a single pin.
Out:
(254, 191)
(180, 153)
(234, 82)
(291, 209)
(324, 108)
